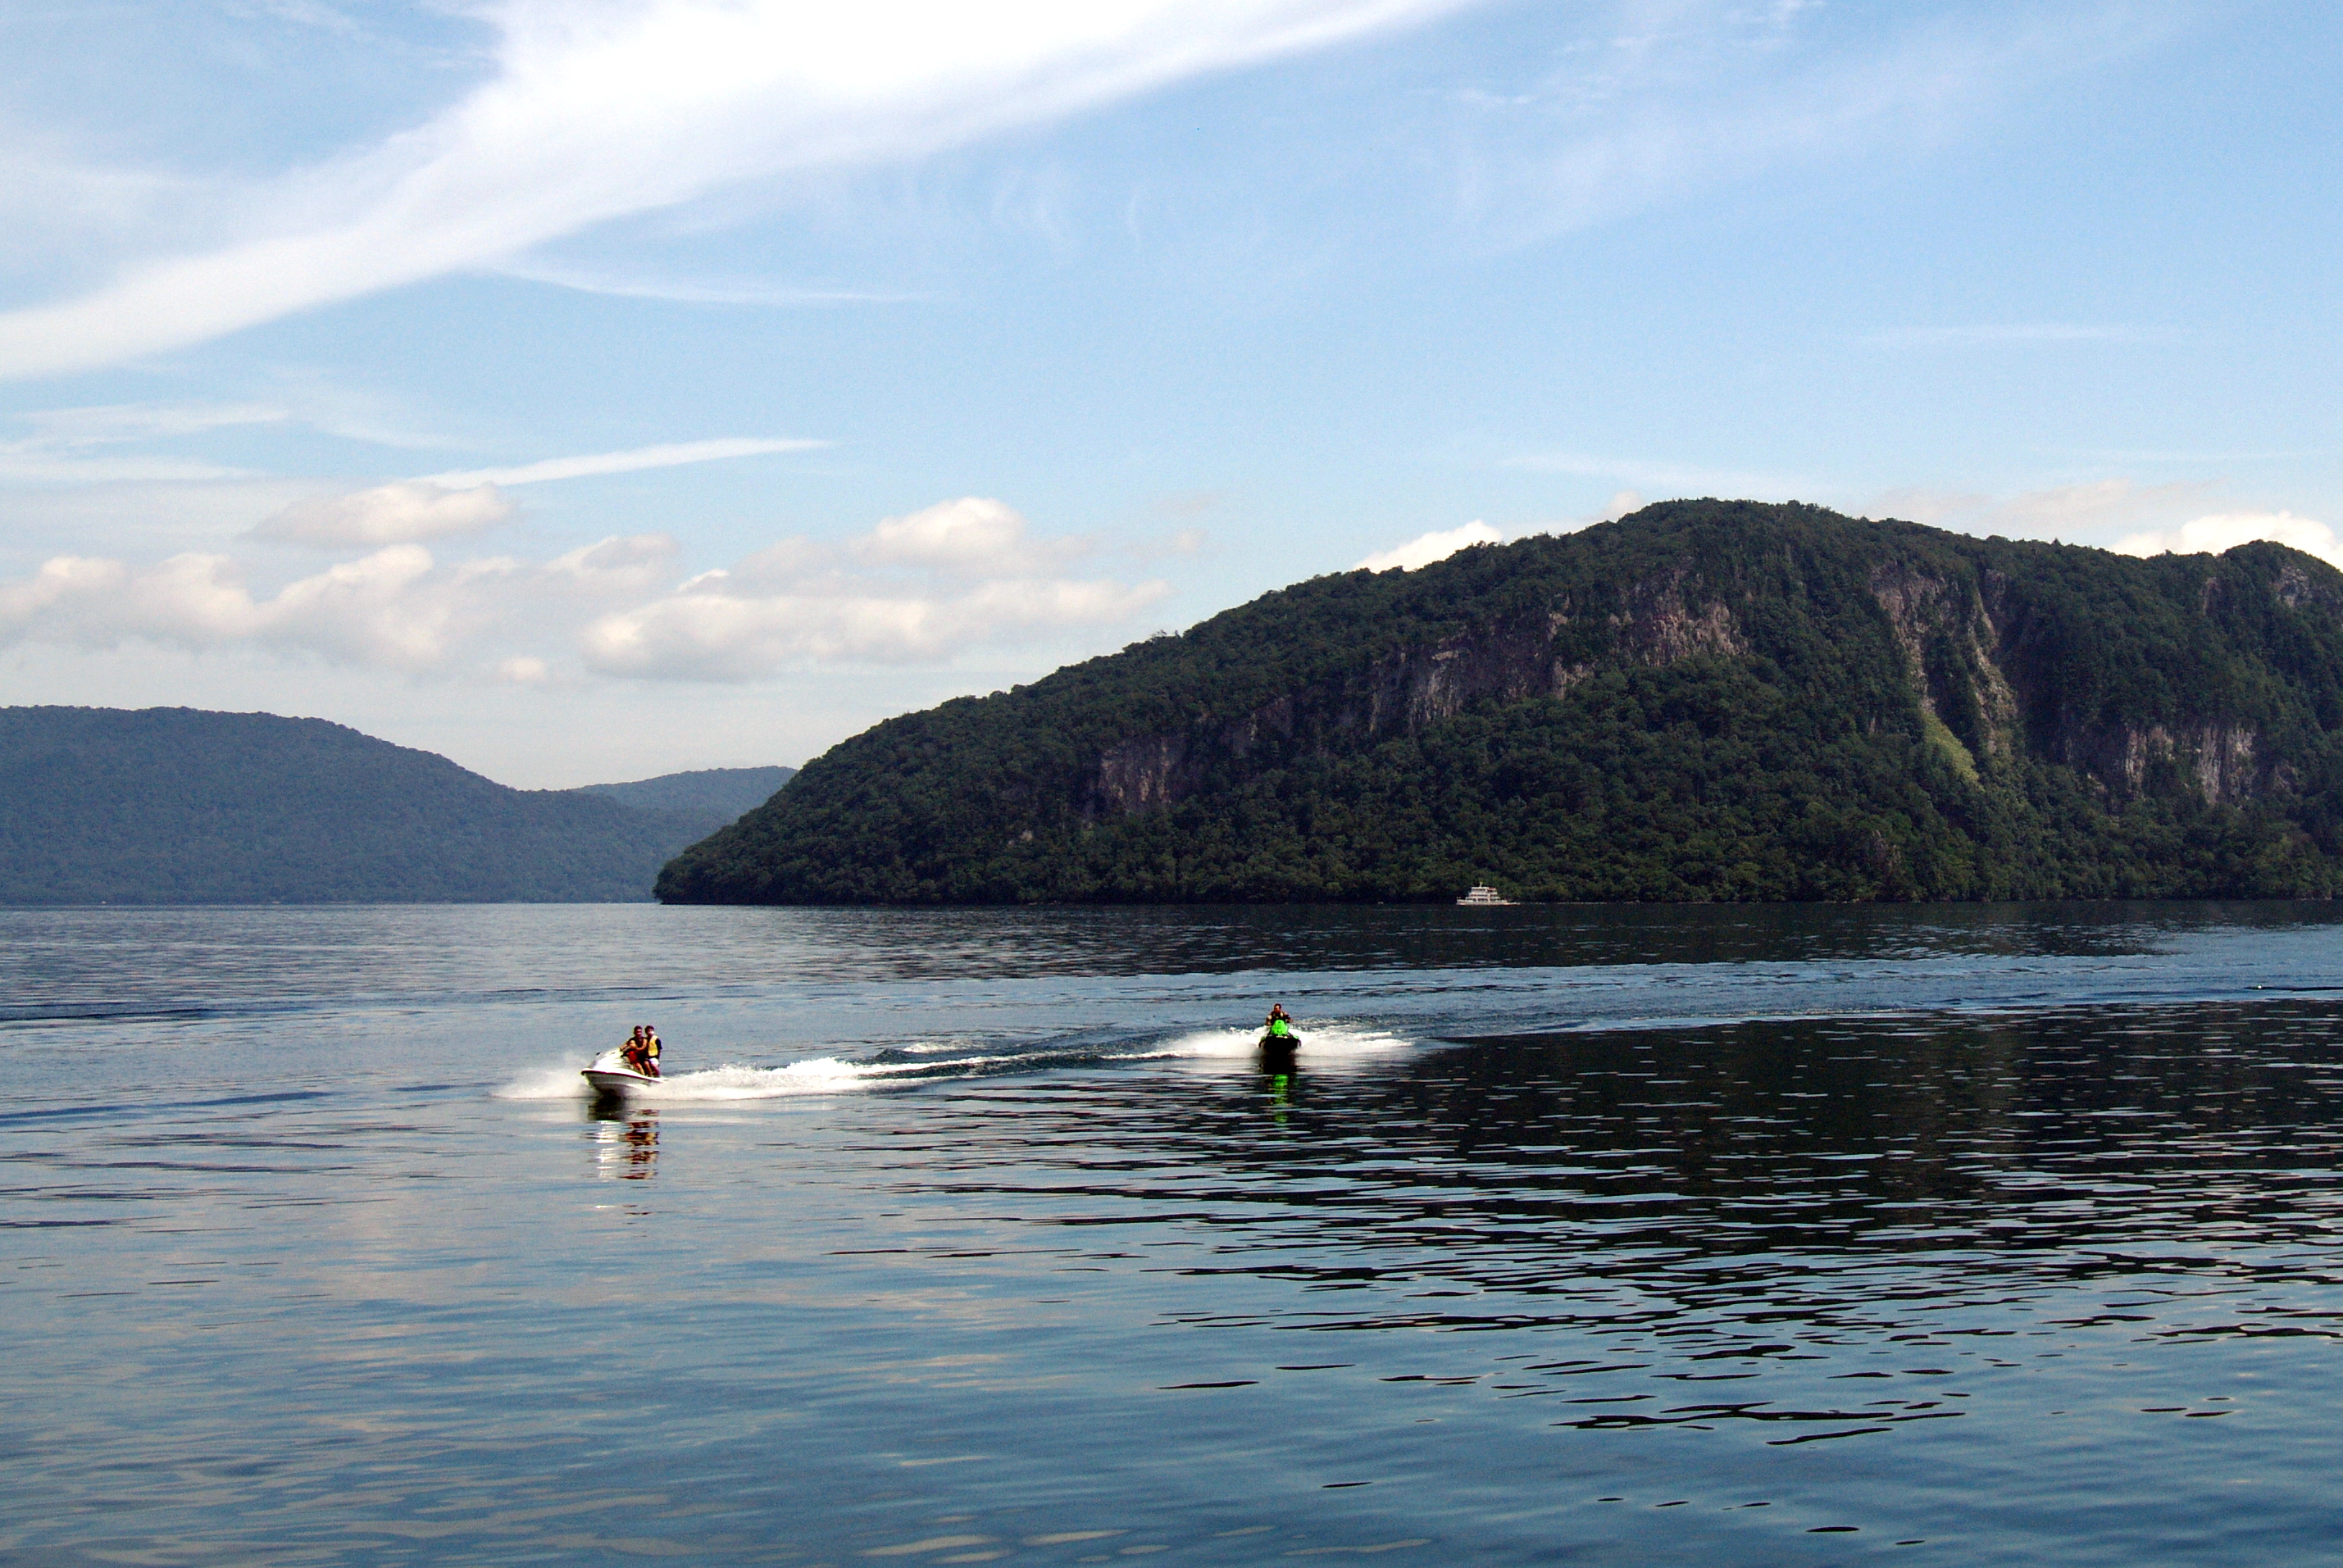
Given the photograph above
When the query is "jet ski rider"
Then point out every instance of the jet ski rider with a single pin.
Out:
(1280, 1026)
(641, 1052)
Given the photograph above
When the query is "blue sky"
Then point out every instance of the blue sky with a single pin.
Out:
(591, 389)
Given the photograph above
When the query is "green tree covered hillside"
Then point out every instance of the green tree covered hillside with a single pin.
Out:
(728, 791)
(1706, 701)
(170, 805)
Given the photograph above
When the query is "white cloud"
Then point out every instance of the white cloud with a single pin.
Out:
(776, 565)
(599, 111)
(1426, 548)
(2225, 530)
(969, 531)
(712, 635)
(673, 455)
(59, 581)
(393, 513)
(973, 535)
(2143, 520)
(381, 610)
(935, 584)
(523, 669)
(919, 587)
(1622, 502)
(633, 564)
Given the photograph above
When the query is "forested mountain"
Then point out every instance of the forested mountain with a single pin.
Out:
(170, 805)
(1704, 701)
(728, 791)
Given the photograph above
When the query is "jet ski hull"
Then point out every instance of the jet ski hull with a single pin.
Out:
(615, 1080)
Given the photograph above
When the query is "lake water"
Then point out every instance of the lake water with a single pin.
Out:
(1952, 1235)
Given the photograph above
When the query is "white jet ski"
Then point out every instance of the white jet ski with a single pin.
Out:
(610, 1075)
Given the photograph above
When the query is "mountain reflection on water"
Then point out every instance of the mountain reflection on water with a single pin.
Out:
(1643, 1236)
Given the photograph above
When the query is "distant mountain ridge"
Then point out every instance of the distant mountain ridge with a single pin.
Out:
(174, 805)
(1706, 701)
(731, 790)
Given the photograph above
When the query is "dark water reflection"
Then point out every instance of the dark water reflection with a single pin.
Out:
(1743, 1180)
(2015, 1281)
(101, 963)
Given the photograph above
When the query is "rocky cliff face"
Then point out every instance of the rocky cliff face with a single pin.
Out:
(1960, 637)
(1660, 620)
(2297, 589)
(1966, 652)
(1949, 644)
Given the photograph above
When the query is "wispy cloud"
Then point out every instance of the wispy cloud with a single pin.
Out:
(54, 202)
(2090, 511)
(102, 444)
(701, 291)
(599, 112)
(672, 455)
(1666, 478)
(1676, 97)
(469, 501)
(300, 12)
(20, 464)
(84, 446)
(2018, 332)
(117, 422)
(2170, 455)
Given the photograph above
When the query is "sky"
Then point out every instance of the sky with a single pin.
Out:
(589, 389)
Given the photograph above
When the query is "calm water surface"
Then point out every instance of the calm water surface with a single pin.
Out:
(1998, 1235)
